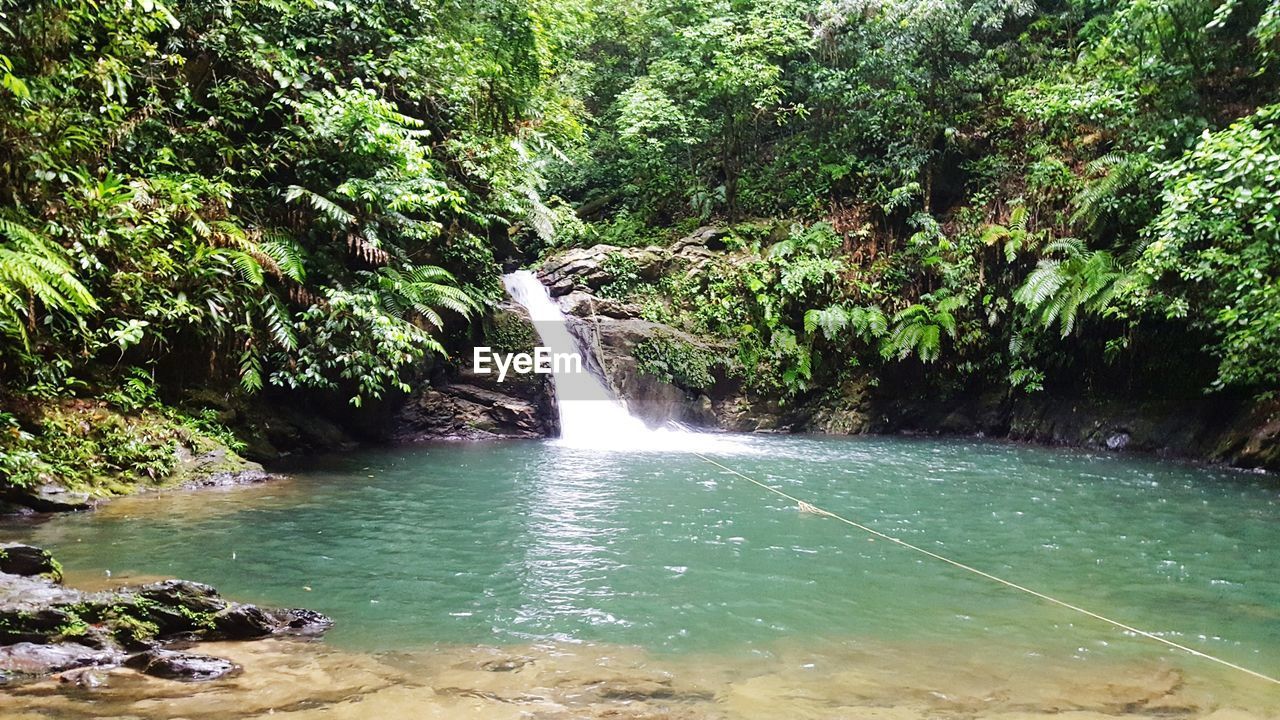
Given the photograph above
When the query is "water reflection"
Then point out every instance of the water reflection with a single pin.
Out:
(570, 504)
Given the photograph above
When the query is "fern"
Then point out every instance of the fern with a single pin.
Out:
(1016, 236)
(918, 329)
(285, 255)
(1116, 173)
(421, 290)
(323, 205)
(1059, 288)
(832, 320)
(35, 270)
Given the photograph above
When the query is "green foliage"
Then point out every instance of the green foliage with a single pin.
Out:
(1213, 253)
(312, 195)
(1015, 238)
(627, 229)
(677, 361)
(34, 270)
(290, 192)
(624, 276)
(935, 154)
(19, 461)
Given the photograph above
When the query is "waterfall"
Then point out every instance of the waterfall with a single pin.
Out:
(590, 416)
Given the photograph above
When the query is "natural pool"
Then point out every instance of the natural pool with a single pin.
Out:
(653, 582)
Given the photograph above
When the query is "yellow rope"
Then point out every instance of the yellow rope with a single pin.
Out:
(811, 508)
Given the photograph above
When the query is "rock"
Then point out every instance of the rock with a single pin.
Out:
(241, 622)
(634, 689)
(244, 622)
(462, 411)
(510, 664)
(213, 465)
(650, 398)
(49, 498)
(1118, 441)
(586, 305)
(577, 268)
(187, 667)
(19, 592)
(18, 559)
(87, 678)
(27, 658)
(301, 621)
(37, 625)
(464, 405)
(586, 269)
(46, 627)
(708, 238)
(193, 596)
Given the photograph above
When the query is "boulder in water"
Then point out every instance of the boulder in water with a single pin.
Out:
(188, 667)
(49, 498)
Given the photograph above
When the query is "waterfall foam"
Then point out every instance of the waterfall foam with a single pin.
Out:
(590, 416)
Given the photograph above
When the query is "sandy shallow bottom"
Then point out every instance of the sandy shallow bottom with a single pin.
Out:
(300, 679)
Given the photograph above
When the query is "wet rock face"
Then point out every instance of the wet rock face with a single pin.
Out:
(46, 627)
(587, 269)
(613, 329)
(463, 409)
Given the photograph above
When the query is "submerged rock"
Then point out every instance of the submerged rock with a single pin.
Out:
(26, 658)
(301, 621)
(88, 678)
(173, 665)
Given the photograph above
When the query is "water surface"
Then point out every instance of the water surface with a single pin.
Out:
(531, 544)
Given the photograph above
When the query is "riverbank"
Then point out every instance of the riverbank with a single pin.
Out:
(631, 318)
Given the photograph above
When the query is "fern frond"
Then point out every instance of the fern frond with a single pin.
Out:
(323, 205)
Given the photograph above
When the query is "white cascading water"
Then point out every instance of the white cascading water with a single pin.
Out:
(590, 416)
(588, 411)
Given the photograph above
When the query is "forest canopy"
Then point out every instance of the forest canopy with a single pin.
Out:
(319, 195)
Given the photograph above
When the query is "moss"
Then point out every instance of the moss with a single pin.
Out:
(129, 630)
(91, 446)
(200, 620)
(55, 571)
(509, 332)
(75, 626)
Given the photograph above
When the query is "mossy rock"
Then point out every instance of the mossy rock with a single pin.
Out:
(28, 560)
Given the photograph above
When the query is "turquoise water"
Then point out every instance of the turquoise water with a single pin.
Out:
(520, 542)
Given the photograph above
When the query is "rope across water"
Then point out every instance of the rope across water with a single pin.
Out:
(809, 507)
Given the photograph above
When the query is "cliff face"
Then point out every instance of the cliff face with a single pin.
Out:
(1176, 422)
